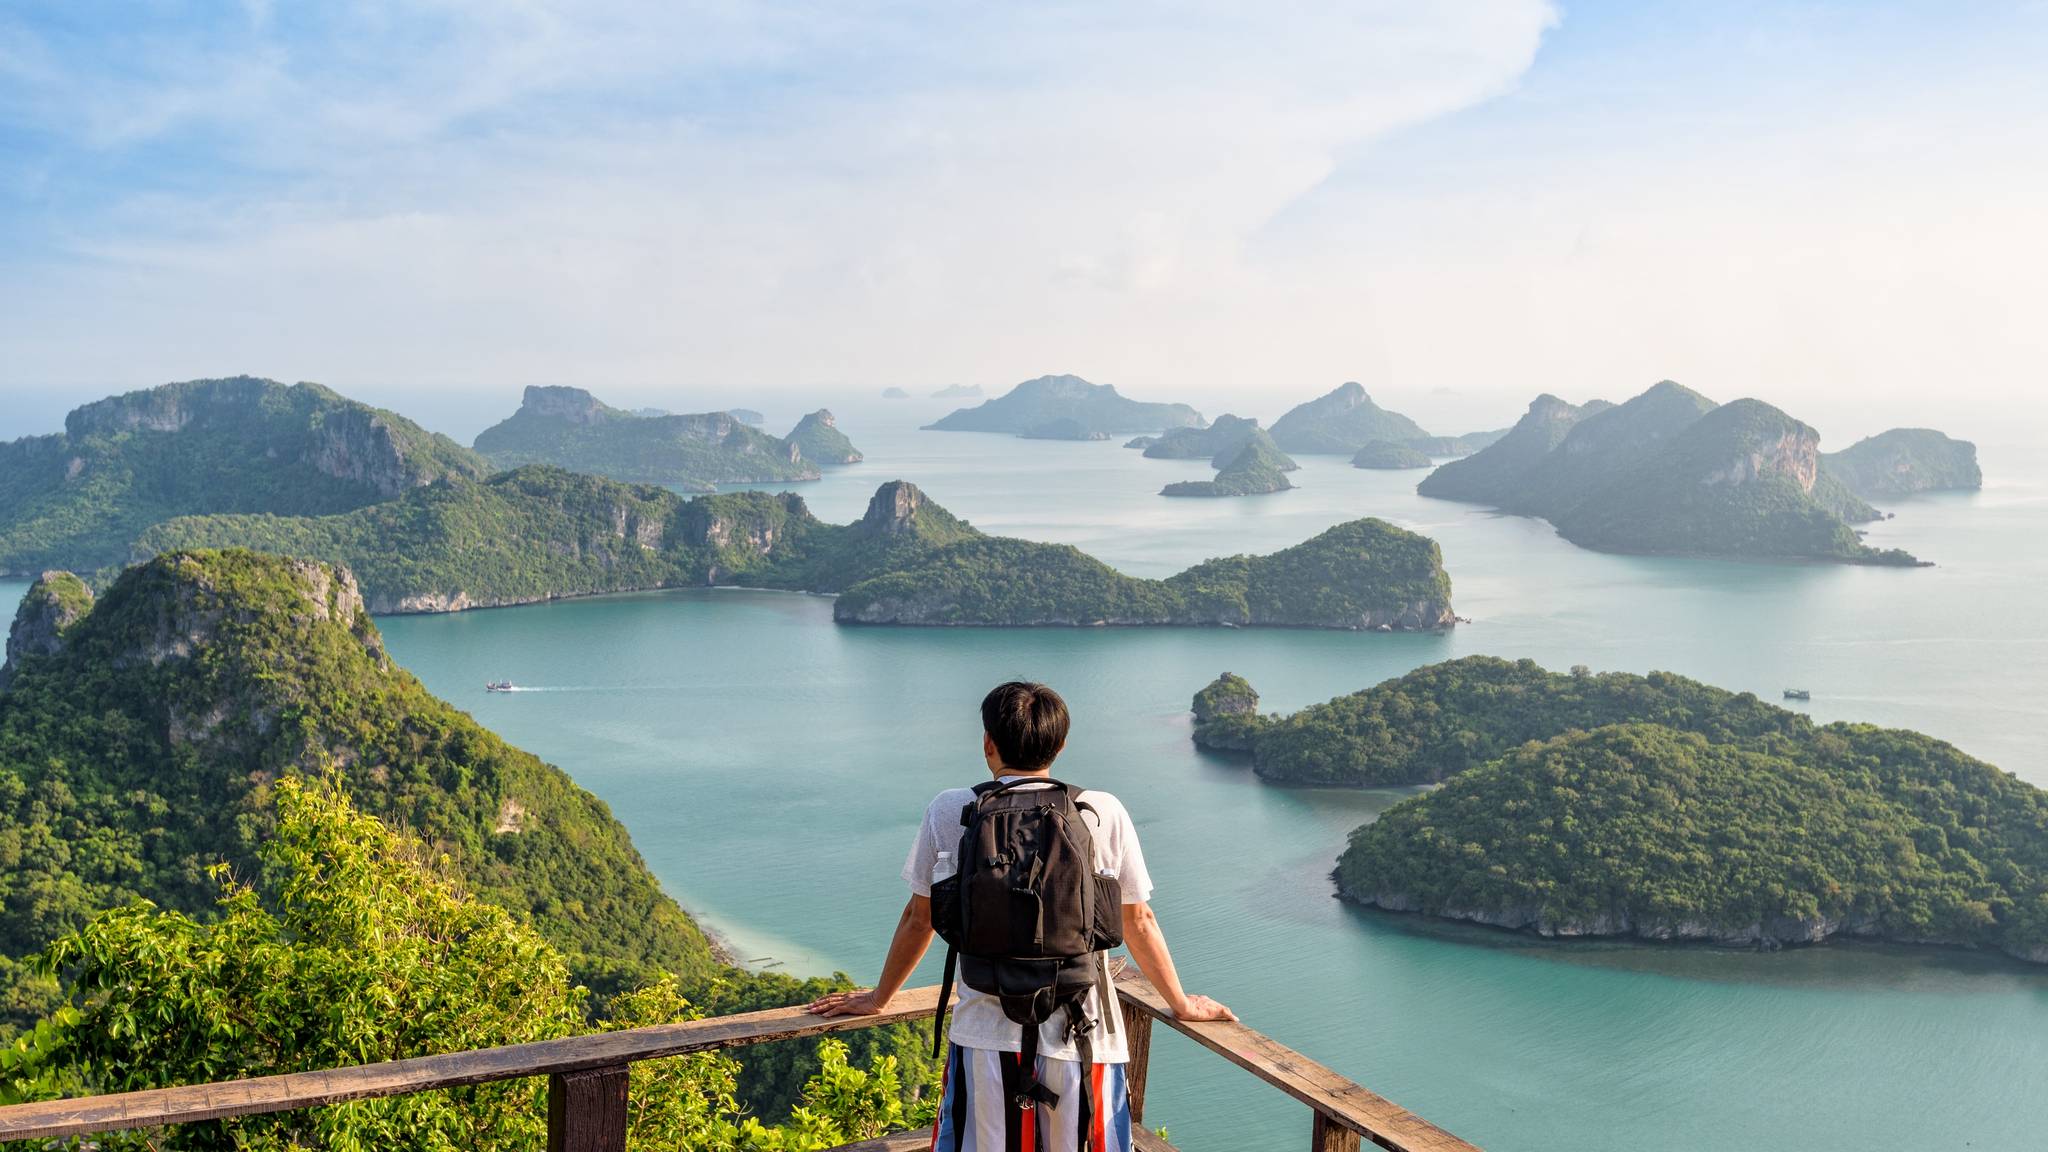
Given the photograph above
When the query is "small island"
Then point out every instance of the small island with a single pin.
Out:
(1220, 440)
(570, 428)
(1905, 462)
(895, 394)
(1255, 467)
(1340, 423)
(818, 438)
(1382, 454)
(76, 499)
(1670, 473)
(1035, 406)
(539, 533)
(1692, 813)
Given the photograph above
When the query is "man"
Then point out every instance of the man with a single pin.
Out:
(1024, 728)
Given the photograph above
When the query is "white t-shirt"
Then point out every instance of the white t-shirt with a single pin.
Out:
(978, 1020)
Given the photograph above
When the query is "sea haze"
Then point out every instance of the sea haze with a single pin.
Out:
(753, 747)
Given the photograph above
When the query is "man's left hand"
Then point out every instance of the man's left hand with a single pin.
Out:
(859, 1002)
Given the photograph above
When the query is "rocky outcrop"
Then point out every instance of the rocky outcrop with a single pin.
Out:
(893, 509)
(569, 405)
(54, 603)
(1227, 715)
(1794, 455)
(818, 439)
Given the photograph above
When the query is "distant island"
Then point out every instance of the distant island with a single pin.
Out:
(1095, 410)
(895, 394)
(1217, 441)
(958, 392)
(540, 533)
(1253, 468)
(818, 439)
(1905, 462)
(743, 415)
(1384, 454)
(570, 428)
(1340, 423)
(77, 499)
(1669, 472)
(1657, 807)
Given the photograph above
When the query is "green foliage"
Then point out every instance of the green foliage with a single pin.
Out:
(147, 748)
(352, 948)
(1227, 715)
(818, 438)
(538, 532)
(772, 1076)
(77, 500)
(1222, 438)
(1642, 828)
(1494, 474)
(569, 428)
(1254, 466)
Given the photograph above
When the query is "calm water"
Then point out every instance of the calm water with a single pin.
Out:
(743, 737)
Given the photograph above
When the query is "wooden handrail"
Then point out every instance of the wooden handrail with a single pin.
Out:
(155, 1107)
(1334, 1099)
(587, 1085)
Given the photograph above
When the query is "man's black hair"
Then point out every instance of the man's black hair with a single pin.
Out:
(1027, 722)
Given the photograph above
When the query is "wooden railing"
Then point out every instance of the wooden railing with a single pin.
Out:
(587, 1080)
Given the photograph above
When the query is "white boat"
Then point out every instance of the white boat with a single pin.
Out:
(1798, 694)
(498, 686)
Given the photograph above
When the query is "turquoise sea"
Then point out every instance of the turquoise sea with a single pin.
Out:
(752, 747)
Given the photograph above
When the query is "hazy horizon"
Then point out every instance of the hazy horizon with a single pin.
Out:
(1833, 208)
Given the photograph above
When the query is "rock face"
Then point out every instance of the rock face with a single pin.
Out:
(1094, 408)
(1340, 423)
(1906, 461)
(893, 509)
(568, 405)
(54, 603)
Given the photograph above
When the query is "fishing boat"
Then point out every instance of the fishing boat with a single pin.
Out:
(1798, 694)
(498, 686)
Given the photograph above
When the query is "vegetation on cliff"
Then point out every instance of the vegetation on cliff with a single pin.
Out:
(1658, 806)
(1340, 423)
(570, 428)
(1254, 467)
(1669, 472)
(536, 533)
(148, 740)
(1094, 408)
(347, 943)
(1904, 461)
(75, 500)
(818, 439)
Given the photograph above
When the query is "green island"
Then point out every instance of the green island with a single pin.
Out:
(1670, 473)
(541, 533)
(1384, 454)
(570, 428)
(1903, 462)
(222, 801)
(1659, 807)
(818, 439)
(77, 499)
(1256, 466)
(1219, 440)
(1341, 422)
(1095, 410)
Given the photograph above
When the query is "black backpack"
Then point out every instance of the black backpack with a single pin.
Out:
(1026, 918)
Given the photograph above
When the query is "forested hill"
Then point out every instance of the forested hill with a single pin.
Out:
(1659, 807)
(540, 533)
(78, 499)
(140, 737)
(570, 428)
(1905, 461)
(1095, 410)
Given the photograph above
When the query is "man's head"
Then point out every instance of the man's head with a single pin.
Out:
(1023, 726)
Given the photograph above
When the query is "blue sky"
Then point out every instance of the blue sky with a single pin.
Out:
(1828, 204)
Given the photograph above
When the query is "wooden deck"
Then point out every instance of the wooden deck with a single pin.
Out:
(587, 1081)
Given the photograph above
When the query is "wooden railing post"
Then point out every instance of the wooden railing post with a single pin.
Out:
(587, 1110)
(1138, 1040)
(1330, 1136)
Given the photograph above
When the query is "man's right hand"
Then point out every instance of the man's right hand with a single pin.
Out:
(1202, 1008)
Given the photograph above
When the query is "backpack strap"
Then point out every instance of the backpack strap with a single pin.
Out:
(945, 997)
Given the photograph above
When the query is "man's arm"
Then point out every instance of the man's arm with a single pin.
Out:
(1148, 947)
(906, 948)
